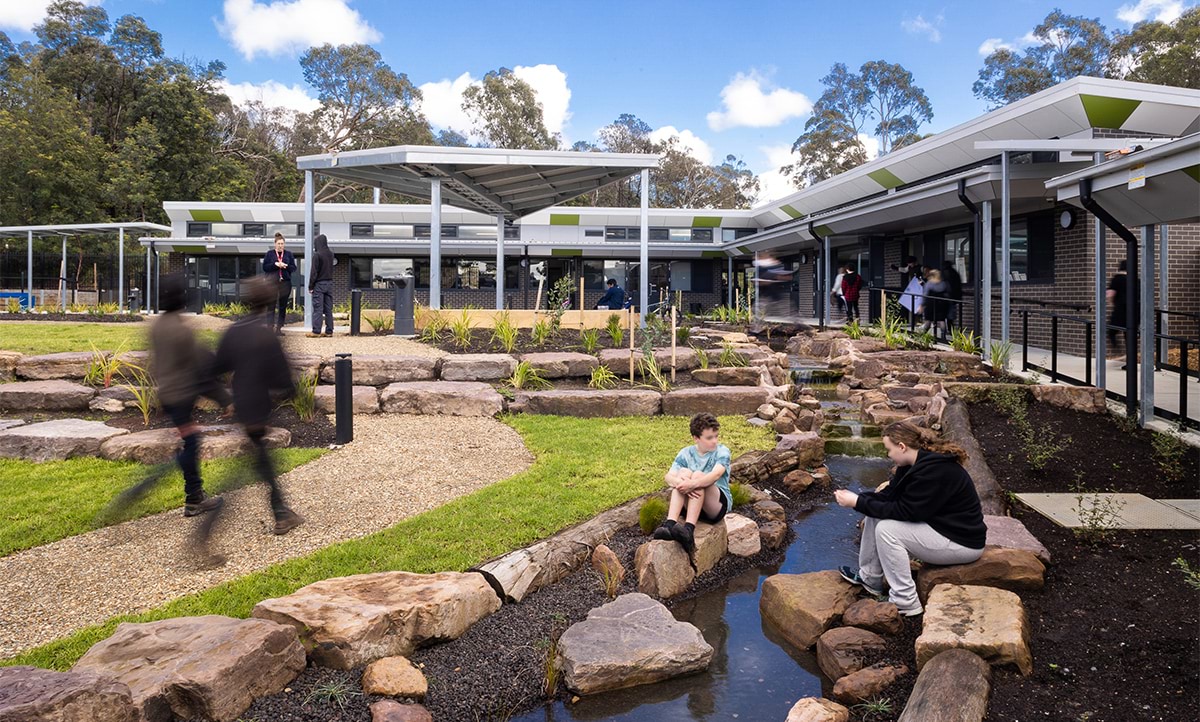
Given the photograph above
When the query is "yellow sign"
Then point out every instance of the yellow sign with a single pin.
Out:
(1137, 176)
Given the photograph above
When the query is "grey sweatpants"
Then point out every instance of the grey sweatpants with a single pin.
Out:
(885, 550)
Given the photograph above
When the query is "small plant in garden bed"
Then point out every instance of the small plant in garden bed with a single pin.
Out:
(656, 377)
(382, 324)
(874, 708)
(12, 305)
(730, 356)
(615, 330)
(740, 493)
(526, 376)
(1191, 577)
(1097, 514)
(701, 357)
(652, 513)
(104, 367)
(964, 341)
(504, 332)
(682, 335)
(603, 378)
(304, 402)
(559, 298)
(460, 330)
(999, 353)
(590, 338)
(854, 330)
(1169, 454)
(540, 333)
(142, 388)
(435, 326)
(923, 341)
(338, 693)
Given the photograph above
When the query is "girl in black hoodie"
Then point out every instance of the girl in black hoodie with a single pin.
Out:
(929, 510)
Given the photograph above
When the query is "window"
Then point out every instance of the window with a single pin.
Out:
(512, 233)
(425, 231)
(680, 235)
(1031, 245)
(468, 273)
(375, 272)
(596, 273)
(614, 234)
(732, 234)
(593, 233)
(197, 230)
(253, 230)
(692, 276)
(957, 250)
(660, 234)
(702, 235)
(362, 230)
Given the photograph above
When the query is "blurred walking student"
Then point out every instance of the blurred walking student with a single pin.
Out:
(254, 356)
(954, 283)
(852, 284)
(836, 294)
(933, 304)
(320, 286)
(279, 264)
(1118, 287)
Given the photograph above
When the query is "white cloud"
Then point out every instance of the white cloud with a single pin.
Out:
(1164, 11)
(442, 100)
(991, 45)
(688, 141)
(773, 185)
(272, 94)
(23, 15)
(920, 26)
(749, 103)
(286, 27)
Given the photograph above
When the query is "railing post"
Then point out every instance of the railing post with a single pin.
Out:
(1054, 347)
(1024, 340)
(1158, 314)
(343, 398)
(1087, 352)
(1183, 379)
(356, 312)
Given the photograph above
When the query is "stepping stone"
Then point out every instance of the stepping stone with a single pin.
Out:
(617, 360)
(1014, 569)
(1130, 511)
(878, 617)
(715, 399)
(55, 440)
(867, 683)
(591, 404)
(818, 709)
(219, 441)
(442, 398)
(389, 710)
(31, 694)
(728, 376)
(772, 533)
(663, 569)
(66, 365)
(477, 367)
(208, 667)
(769, 510)
(630, 641)
(1009, 533)
(347, 622)
(712, 543)
(844, 650)
(560, 365)
(987, 621)
(45, 396)
(306, 364)
(394, 677)
(743, 536)
(10, 423)
(952, 687)
(377, 370)
(363, 399)
(802, 606)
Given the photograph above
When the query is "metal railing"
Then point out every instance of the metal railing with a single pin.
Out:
(943, 322)
(1162, 356)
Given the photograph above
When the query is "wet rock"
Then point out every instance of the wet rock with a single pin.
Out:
(818, 709)
(867, 683)
(558, 365)
(377, 370)
(728, 376)
(592, 404)
(349, 621)
(1013, 569)
(952, 687)
(31, 694)
(725, 399)
(363, 399)
(868, 369)
(883, 414)
(209, 667)
(477, 367)
(743, 536)
(878, 617)
(45, 396)
(66, 365)
(55, 440)
(217, 441)
(1010, 533)
(855, 447)
(389, 710)
(769, 510)
(712, 542)
(802, 606)
(808, 446)
(663, 569)
(394, 677)
(844, 650)
(630, 641)
(606, 563)
(442, 398)
(797, 481)
(772, 533)
(987, 621)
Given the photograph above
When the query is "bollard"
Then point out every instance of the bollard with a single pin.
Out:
(356, 312)
(343, 398)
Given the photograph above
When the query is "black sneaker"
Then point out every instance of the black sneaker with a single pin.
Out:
(663, 532)
(210, 503)
(287, 521)
(684, 534)
(850, 574)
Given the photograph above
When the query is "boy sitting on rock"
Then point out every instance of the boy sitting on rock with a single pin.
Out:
(699, 481)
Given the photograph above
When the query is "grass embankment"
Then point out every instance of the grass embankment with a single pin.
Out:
(34, 338)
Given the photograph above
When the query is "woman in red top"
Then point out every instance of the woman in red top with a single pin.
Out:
(851, 286)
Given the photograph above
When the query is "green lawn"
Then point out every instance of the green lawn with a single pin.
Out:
(57, 499)
(42, 337)
(583, 466)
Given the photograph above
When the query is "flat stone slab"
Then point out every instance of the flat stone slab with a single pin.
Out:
(32, 694)
(218, 441)
(592, 403)
(477, 367)
(307, 364)
(363, 399)
(952, 687)
(347, 622)
(10, 423)
(817, 709)
(987, 621)
(45, 396)
(1132, 511)
(377, 370)
(56, 440)
(1013, 569)
(209, 667)
(630, 641)
(559, 365)
(715, 400)
(66, 365)
(442, 398)
(844, 650)
(617, 359)
(802, 606)
(1009, 533)
(728, 376)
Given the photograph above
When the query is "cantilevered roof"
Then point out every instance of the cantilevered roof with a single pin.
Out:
(1157, 185)
(489, 180)
(80, 229)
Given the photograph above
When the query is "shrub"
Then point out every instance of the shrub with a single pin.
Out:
(591, 340)
(730, 356)
(526, 376)
(540, 332)
(655, 376)
(652, 514)
(853, 330)
(559, 298)
(964, 341)
(460, 330)
(304, 402)
(384, 323)
(740, 493)
(12, 305)
(1169, 454)
(237, 309)
(603, 378)
(504, 332)
(701, 357)
(615, 330)
(683, 334)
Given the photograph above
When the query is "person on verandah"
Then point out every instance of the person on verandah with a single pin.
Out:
(614, 298)
(699, 481)
(929, 510)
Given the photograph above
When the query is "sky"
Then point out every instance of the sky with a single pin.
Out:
(726, 77)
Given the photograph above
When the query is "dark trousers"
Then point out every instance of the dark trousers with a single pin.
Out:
(265, 470)
(322, 304)
(285, 295)
(188, 456)
(851, 309)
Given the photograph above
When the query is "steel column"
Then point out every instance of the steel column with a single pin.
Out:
(120, 269)
(29, 265)
(1146, 326)
(1101, 299)
(62, 277)
(1163, 284)
(985, 256)
(499, 262)
(309, 213)
(644, 245)
(1005, 249)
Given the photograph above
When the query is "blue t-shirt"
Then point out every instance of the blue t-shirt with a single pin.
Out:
(689, 457)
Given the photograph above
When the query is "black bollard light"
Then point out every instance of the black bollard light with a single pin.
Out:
(343, 398)
(356, 312)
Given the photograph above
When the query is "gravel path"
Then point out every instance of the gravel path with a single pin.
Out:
(55, 589)
(296, 342)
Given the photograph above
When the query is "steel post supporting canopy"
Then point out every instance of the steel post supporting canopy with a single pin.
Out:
(495, 181)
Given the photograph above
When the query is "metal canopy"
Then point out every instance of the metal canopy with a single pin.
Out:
(495, 181)
(78, 229)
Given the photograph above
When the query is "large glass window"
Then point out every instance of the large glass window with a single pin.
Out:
(468, 273)
(425, 230)
(732, 234)
(957, 250)
(596, 273)
(375, 272)
(1031, 249)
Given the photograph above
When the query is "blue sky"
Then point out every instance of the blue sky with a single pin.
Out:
(729, 77)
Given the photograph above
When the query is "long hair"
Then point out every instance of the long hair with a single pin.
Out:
(914, 437)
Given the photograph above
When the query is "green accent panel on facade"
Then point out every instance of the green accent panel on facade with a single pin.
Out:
(210, 216)
(712, 254)
(1104, 112)
(823, 231)
(572, 252)
(1193, 172)
(787, 208)
(885, 178)
(706, 222)
(190, 249)
(743, 250)
(564, 219)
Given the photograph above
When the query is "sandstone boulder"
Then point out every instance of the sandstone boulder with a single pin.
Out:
(844, 650)
(363, 399)
(772, 533)
(802, 606)
(712, 542)
(345, 622)
(1010, 533)
(797, 480)
(588, 403)
(442, 398)
(394, 677)
(818, 709)
(307, 364)
(477, 367)
(377, 370)
(558, 365)
(8, 365)
(808, 446)
(952, 687)
(987, 621)
(208, 667)
(878, 617)
(31, 694)
(769, 510)
(218, 441)
(867, 683)
(884, 414)
(728, 376)
(45, 396)
(630, 641)
(66, 365)
(389, 710)
(663, 569)
(607, 565)
(55, 440)
(715, 399)
(1013, 569)
(742, 532)
(1088, 399)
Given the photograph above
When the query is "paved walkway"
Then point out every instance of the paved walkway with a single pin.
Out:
(396, 467)
(1129, 511)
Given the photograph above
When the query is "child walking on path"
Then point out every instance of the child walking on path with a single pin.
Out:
(699, 481)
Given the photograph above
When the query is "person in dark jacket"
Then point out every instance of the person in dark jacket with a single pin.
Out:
(279, 264)
(1118, 287)
(954, 281)
(614, 298)
(320, 286)
(852, 284)
(929, 510)
(253, 355)
(933, 303)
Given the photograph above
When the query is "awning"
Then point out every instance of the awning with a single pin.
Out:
(80, 229)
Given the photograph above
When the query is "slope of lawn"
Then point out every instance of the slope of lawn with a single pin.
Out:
(582, 467)
(34, 338)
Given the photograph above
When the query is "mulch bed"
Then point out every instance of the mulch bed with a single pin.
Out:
(73, 317)
(565, 339)
(1114, 631)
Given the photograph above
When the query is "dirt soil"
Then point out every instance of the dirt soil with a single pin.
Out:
(73, 317)
(565, 339)
(1114, 632)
